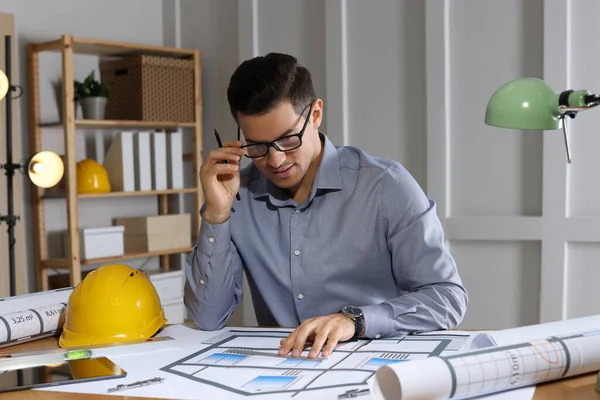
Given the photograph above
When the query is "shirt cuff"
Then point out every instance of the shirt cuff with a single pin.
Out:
(214, 239)
(378, 322)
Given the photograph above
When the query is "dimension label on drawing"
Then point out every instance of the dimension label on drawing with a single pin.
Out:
(29, 323)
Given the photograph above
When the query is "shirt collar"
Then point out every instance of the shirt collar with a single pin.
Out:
(328, 177)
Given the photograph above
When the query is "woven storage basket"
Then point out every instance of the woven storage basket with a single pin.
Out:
(149, 88)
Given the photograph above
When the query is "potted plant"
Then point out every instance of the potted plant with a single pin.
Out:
(92, 95)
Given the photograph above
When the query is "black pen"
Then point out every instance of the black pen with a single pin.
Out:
(237, 195)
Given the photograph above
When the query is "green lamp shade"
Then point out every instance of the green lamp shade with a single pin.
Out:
(526, 103)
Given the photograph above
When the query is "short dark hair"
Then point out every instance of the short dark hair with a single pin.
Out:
(261, 83)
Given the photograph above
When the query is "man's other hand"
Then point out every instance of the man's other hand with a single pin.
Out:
(321, 331)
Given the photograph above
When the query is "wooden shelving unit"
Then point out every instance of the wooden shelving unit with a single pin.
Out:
(68, 46)
(110, 124)
(62, 263)
(124, 194)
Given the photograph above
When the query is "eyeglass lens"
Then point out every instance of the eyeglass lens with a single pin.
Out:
(284, 144)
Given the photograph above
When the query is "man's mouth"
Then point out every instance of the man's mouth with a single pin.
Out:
(281, 171)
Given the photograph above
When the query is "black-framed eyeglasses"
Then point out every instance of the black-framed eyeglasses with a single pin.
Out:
(286, 143)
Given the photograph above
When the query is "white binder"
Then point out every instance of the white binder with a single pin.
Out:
(175, 160)
(143, 165)
(159, 160)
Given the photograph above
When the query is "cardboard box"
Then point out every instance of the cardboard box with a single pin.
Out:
(98, 242)
(169, 286)
(156, 233)
(150, 88)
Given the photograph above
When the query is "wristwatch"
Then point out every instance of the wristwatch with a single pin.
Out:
(356, 315)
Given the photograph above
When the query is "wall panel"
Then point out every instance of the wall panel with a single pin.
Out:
(583, 176)
(503, 282)
(494, 172)
(386, 81)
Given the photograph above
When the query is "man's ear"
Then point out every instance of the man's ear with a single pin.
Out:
(317, 114)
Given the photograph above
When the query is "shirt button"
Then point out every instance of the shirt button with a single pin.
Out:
(297, 210)
(211, 239)
(377, 336)
(297, 252)
(300, 296)
(202, 281)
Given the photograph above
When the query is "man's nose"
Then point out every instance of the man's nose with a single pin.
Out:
(275, 157)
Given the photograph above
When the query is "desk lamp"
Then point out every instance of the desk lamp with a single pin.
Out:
(532, 104)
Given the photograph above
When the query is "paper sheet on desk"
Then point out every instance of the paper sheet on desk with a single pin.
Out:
(497, 362)
(147, 366)
(142, 366)
(206, 365)
(531, 332)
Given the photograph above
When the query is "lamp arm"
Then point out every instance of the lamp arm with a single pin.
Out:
(564, 129)
(570, 103)
(574, 109)
(11, 168)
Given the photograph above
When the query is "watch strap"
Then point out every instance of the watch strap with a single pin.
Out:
(359, 323)
(359, 326)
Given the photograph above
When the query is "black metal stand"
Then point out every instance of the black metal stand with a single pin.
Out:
(10, 167)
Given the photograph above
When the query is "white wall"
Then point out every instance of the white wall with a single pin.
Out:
(40, 20)
(386, 81)
(487, 172)
(581, 186)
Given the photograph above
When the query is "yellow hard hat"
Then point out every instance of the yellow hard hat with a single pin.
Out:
(114, 303)
(92, 177)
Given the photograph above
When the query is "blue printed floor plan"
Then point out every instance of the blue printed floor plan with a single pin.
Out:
(246, 362)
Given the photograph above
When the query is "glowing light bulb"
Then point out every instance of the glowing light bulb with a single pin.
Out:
(38, 168)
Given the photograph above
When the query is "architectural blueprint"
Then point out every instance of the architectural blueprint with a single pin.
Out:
(229, 362)
(225, 365)
(237, 363)
(529, 355)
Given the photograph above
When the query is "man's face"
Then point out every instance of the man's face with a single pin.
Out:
(284, 169)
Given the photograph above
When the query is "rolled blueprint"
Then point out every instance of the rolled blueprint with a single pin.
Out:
(20, 326)
(489, 370)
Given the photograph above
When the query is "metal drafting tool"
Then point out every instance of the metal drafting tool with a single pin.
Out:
(353, 393)
(32, 358)
(122, 387)
(252, 352)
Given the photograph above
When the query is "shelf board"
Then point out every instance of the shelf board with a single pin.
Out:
(135, 193)
(113, 49)
(61, 263)
(118, 124)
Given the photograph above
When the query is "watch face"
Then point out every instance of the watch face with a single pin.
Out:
(352, 311)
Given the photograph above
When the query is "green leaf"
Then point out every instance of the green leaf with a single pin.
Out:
(90, 87)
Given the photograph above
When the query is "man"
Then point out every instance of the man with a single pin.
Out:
(335, 242)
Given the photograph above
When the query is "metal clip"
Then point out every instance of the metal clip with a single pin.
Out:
(353, 393)
(120, 388)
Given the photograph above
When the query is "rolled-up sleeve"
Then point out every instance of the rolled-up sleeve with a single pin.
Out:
(213, 287)
(432, 294)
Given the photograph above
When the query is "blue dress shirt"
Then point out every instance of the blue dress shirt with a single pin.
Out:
(367, 236)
